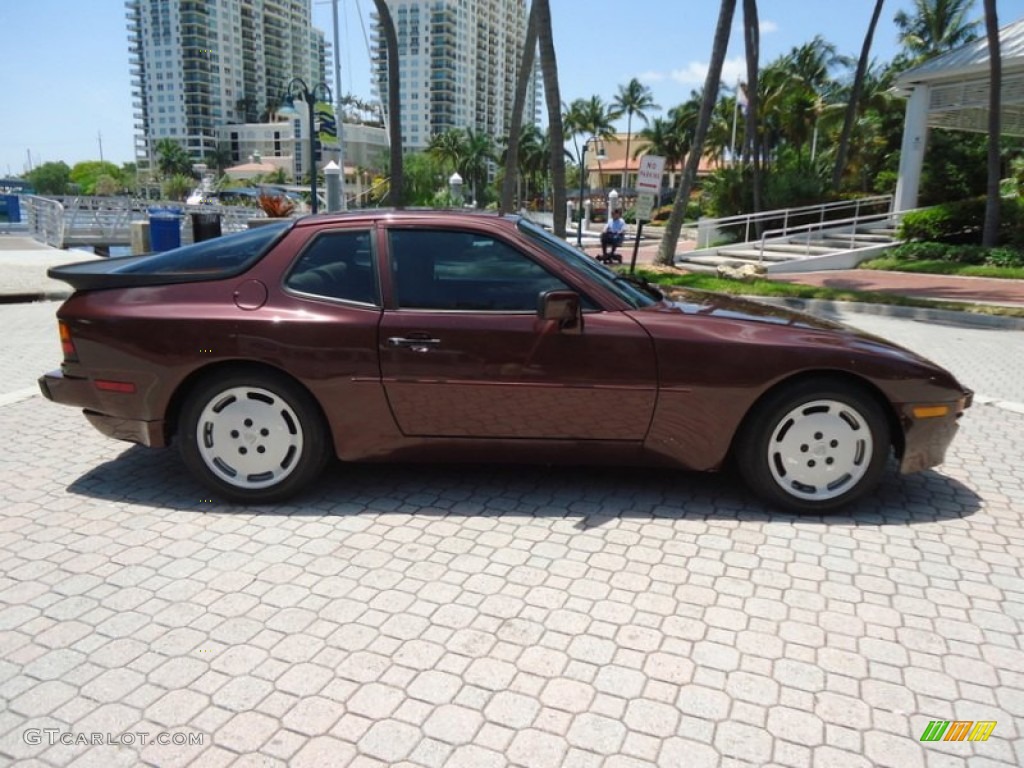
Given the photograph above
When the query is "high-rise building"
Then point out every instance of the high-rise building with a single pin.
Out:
(458, 61)
(197, 65)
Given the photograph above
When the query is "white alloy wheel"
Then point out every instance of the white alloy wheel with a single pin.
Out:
(249, 437)
(820, 450)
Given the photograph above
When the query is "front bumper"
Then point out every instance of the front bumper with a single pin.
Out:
(100, 409)
(926, 440)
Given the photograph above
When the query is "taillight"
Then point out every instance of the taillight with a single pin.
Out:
(66, 343)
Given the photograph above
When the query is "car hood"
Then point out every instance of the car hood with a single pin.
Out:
(773, 324)
(688, 301)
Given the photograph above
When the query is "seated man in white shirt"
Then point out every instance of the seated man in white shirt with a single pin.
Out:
(613, 235)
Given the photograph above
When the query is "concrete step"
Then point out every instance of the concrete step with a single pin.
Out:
(784, 250)
(737, 253)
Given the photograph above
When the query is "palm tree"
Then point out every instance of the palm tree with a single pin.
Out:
(549, 71)
(751, 143)
(516, 127)
(172, 159)
(634, 98)
(851, 106)
(936, 26)
(990, 229)
(387, 24)
(448, 149)
(667, 248)
(478, 154)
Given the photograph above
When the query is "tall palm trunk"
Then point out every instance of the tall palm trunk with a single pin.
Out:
(667, 248)
(990, 230)
(549, 70)
(396, 193)
(851, 106)
(508, 185)
(629, 138)
(752, 140)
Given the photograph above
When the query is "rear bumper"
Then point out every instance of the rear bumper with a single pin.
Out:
(926, 440)
(100, 409)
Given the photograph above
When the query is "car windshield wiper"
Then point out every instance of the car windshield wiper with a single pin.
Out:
(643, 284)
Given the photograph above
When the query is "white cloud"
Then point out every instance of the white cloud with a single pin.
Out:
(651, 77)
(696, 72)
(767, 27)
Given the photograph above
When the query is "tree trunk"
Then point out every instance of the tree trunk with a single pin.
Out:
(752, 141)
(990, 232)
(508, 185)
(625, 168)
(667, 249)
(549, 70)
(851, 106)
(396, 192)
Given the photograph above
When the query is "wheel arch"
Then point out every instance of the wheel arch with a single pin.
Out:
(845, 377)
(187, 385)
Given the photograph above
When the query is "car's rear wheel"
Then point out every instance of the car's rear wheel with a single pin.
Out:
(254, 437)
(815, 446)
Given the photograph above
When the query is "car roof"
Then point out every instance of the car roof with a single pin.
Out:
(410, 215)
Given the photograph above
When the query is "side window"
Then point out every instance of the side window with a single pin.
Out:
(438, 269)
(337, 265)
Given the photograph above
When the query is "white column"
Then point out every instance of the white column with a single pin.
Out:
(915, 139)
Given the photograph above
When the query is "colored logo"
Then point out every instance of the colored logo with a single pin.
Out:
(958, 730)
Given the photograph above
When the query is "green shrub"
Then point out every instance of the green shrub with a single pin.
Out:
(1005, 257)
(961, 223)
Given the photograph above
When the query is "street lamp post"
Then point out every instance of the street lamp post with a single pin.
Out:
(310, 97)
(583, 181)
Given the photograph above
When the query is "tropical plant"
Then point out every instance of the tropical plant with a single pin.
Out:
(86, 173)
(634, 98)
(177, 186)
(50, 178)
(448, 148)
(552, 93)
(852, 103)
(934, 27)
(387, 25)
(511, 162)
(106, 185)
(990, 232)
(172, 159)
(751, 140)
(667, 247)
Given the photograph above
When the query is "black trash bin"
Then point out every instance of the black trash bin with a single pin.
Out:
(205, 226)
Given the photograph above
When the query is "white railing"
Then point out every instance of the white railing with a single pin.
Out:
(792, 218)
(837, 230)
(44, 218)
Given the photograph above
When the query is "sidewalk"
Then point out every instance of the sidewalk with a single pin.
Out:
(23, 265)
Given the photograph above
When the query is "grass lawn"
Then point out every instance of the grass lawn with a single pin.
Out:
(762, 287)
(939, 267)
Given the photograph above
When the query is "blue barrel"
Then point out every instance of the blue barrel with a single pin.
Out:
(164, 228)
(13, 208)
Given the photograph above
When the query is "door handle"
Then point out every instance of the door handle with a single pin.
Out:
(415, 344)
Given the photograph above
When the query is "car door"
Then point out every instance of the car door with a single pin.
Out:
(464, 354)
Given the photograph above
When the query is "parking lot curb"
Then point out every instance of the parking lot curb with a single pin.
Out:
(922, 314)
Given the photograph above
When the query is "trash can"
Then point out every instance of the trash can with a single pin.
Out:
(205, 226)
(13, 208)
(164, 228)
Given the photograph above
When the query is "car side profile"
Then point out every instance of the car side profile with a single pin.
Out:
(449, 336)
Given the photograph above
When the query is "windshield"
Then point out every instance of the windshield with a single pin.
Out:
(577, 260)
(228, 254)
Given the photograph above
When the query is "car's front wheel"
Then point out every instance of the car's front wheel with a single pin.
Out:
(815, 446)
(253, 437)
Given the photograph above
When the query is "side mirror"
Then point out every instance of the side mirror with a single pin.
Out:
(563, 308)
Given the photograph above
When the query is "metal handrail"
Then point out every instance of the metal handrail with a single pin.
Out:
(789, 214)
(820, 226)
(45, 219)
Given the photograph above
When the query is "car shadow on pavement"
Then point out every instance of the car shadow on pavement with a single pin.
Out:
(590, 495)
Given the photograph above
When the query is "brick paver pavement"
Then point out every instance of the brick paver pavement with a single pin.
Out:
(447, 616)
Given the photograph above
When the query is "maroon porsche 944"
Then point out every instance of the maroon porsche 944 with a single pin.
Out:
(449, 336)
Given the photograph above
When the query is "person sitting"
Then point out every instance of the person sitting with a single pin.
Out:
(612, 236)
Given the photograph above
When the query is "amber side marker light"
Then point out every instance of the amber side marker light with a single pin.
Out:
(66, 344)
(930, 411)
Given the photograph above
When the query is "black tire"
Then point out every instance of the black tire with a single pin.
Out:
(815, 446)
(252, 436)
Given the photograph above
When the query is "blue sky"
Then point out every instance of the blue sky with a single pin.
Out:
(65, 62)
